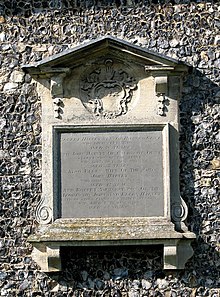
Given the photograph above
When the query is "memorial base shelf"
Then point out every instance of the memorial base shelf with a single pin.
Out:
(49, 239)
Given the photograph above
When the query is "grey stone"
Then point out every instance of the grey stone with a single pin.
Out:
(84, 275)
(99, 284)
(91, 283)
(106, 275)
(119, 273)
(148, 275)
(25, 284)
(3, 275)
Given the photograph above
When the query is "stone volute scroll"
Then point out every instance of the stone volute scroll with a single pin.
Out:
(110, 157)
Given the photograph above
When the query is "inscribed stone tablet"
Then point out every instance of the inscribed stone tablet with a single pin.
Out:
(111, 174)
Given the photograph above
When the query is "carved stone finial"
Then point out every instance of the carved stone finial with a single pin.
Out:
(57, 94)
(161, 104)
(161, 91)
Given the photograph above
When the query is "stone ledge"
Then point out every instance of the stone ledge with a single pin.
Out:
(87, 232)
(92, 229)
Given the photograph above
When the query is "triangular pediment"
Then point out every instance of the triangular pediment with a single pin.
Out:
(73, 57)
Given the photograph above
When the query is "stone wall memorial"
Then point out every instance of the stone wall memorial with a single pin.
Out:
(110, 165)
(81, 83)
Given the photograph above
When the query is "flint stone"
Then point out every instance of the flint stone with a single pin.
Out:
(217, 137)
(4, 292)
(217, 63)
(91, 283)
(3, 275)
(99, 284)
(17, 76)
(146, 284)
(133, 293)
(162, 283)
(24, 285)
(2, 36)
(3, 78)
(119, 273)
(63, 286)
(2, 123)
(84, 275)
(136, 284)
(174, 43)
(25, 169)
(148, 274)
(215, 163)
(10, 86)
(173, 294)
(106, 275)
(217, 39)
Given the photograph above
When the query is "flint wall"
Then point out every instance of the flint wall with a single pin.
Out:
(32, 30)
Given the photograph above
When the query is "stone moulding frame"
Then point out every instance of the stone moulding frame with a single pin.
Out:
(109, 85)
(58, 130)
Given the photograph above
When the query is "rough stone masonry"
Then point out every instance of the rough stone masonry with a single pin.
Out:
(185, 30)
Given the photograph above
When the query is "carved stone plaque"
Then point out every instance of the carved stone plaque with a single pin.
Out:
(111, 174)
(110, 159)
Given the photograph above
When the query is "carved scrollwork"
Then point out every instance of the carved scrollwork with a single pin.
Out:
(43, 213)
(107, 91)
(179, 214)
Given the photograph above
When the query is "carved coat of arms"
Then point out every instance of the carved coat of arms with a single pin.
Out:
(107, 90)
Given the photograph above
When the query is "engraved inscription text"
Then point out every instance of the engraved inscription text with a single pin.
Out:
(111, 174)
